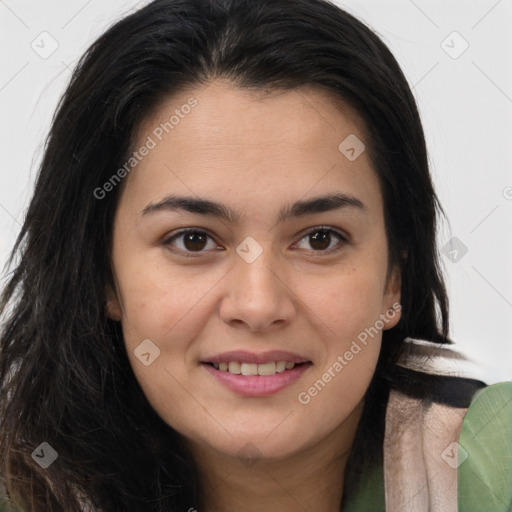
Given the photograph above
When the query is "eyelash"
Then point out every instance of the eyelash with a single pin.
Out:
(190, 254)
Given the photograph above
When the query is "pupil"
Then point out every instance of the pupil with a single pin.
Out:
(192, 243)
(324, 239)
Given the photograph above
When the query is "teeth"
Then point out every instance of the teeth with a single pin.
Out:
(249, 369)
(267, 369)
(280, 366)
(234, 367)
(270, 368)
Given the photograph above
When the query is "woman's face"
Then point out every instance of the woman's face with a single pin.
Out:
(279, 273)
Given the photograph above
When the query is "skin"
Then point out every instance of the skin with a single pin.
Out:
(256, 154)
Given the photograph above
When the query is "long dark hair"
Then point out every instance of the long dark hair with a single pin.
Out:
(65, 376)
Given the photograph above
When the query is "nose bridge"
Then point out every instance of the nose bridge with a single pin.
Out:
(257, 295)
(256, 267)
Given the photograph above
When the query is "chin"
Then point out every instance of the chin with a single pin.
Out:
(249, 450)
(250, 446)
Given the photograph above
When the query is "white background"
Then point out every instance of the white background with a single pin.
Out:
(465, 103)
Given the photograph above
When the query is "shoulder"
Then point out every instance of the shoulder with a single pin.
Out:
(467, 450)
(484, 461)
(485, 451)
(429, 416)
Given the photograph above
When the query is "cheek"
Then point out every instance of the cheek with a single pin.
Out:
(347, 301)
(351, 347)
(334, 391)
(168, 309)
(349, 306)
(158, 301)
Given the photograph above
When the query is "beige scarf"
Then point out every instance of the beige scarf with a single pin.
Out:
(420, 455)
(420, 441)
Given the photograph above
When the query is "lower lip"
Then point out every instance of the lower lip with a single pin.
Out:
(257, 385)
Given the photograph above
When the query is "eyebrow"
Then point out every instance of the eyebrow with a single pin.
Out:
(207, 207)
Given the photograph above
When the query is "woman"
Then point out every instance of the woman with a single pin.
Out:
(230, 247)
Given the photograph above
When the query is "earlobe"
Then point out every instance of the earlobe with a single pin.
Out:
(392, 299)
(392, 316)
(112, 309)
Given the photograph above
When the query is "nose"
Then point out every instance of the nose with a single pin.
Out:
(258, 294)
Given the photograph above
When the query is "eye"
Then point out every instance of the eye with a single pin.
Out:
(320, 238)
(193, 240)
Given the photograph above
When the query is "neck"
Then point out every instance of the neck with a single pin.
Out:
(311, 479)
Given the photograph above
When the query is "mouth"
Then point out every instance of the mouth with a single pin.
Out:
(256, 375)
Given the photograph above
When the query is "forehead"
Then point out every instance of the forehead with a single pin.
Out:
(257, 116)
(253, 143)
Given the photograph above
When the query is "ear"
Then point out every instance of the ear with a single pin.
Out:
(112, 307)
(391, 299)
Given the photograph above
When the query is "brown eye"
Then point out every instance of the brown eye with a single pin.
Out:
(320, 239)
(192, 240)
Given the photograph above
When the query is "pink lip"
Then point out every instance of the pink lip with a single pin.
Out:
(244, 356)
(257, 385)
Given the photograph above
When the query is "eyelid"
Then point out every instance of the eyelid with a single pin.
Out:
(345, 239)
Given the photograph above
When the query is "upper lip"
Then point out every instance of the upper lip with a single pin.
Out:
(245, 356)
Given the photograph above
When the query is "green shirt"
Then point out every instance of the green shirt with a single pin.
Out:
(485, 476)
